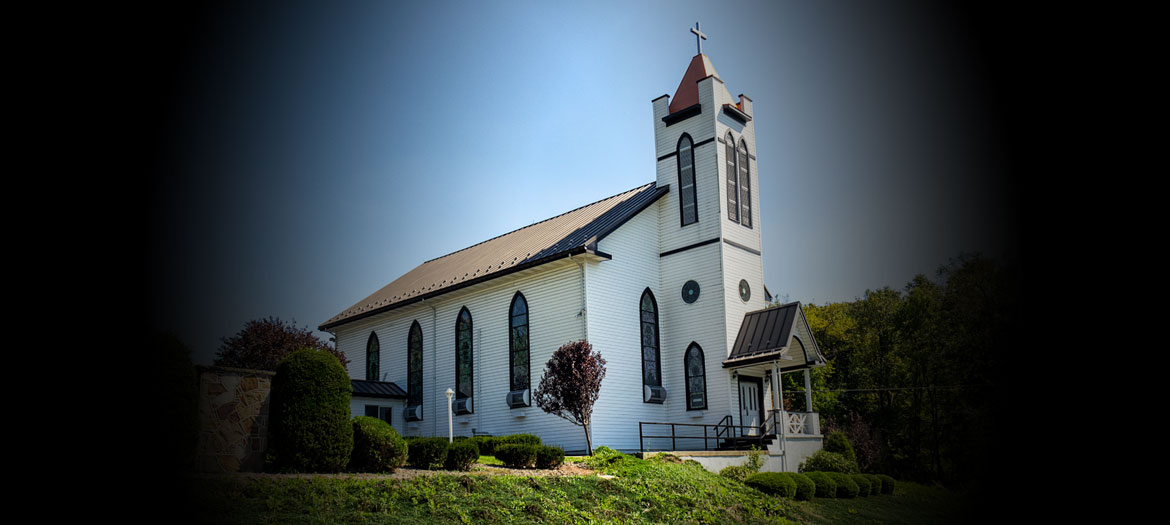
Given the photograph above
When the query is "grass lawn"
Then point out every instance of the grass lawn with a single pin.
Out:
(659, 490)
(910, 503)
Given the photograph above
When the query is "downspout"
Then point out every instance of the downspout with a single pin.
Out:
(583, 312)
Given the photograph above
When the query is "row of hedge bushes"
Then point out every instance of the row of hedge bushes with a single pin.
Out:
(821, 484)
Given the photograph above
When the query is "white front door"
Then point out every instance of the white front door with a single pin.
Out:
(749, 407)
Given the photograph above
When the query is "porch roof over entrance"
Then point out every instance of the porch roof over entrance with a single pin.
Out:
(775, 334)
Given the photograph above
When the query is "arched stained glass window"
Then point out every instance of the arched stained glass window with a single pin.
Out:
(373, 355)
(414, 366)
(651, 368)
(732, 179)
(518, 343)
(686, 181)
(696, 374)
(745, 186)
(464, 353)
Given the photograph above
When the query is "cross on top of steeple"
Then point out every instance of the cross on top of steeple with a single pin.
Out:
(699, 37)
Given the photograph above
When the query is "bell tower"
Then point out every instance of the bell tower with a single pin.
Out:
(710, 264)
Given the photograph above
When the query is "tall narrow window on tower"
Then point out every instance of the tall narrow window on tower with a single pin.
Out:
(414, 373)
(686, 180)
(745, 186)
(518, 352)
(373, 355)
(464, 369)
(651, 367)
(732, 179)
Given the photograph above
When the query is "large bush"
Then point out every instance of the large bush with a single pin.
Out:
(825, 461)
(887, 484)
(846, 487)
(863, 484)
(773, 483)
(826, 487)
(518, 439)
(427, 453)
(486, 444)
(739, 473)
(805, 487)
(516, 456)
(875, 484)
(549, 457)
(377, 447)
(310, 428)
(837, 442)
(461, 455)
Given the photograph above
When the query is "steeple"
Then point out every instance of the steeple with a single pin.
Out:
(687, 93)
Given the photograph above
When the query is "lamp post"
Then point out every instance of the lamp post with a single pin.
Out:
(450, 424)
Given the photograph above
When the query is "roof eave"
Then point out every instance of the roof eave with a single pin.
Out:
(578, 250)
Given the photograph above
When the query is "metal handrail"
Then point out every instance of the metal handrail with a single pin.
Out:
(722, 430)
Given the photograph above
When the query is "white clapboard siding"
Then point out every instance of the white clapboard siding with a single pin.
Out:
(700, 322)
(700, 127)
(357, 407)
(614, 293)
(553, 293)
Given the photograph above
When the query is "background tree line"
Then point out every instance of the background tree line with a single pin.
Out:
(916, 377)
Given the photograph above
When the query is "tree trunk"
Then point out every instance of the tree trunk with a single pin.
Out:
(588, 442)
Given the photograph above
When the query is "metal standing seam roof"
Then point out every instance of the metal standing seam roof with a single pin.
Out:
(572, 232)
(362, 388)
(764, 335)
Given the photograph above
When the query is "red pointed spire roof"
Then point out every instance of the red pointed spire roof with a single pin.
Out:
(687, 93)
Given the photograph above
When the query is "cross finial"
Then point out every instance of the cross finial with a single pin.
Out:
(699, 37)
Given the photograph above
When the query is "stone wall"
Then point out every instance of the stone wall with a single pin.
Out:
(233, 419)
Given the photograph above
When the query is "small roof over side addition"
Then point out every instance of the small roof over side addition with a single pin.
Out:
(776, 334)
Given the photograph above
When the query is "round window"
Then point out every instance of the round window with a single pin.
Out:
(745, 291)
(690, 292)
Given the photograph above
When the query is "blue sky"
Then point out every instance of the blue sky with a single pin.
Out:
(320, 151)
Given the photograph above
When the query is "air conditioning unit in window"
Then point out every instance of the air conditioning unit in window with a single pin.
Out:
(519, 398)
(653, 394)
(414, 413)
(461, 406)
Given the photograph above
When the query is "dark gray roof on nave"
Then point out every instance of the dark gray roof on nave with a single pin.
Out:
(570, 233)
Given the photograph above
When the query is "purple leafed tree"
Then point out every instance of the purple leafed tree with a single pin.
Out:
(571, 383)
(264, 342)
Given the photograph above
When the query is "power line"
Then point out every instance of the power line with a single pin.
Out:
(884, 389)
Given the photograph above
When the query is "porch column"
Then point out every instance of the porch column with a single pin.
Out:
(814, 420)
(783, 422)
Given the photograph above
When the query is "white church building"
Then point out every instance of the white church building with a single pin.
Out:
(664, 280)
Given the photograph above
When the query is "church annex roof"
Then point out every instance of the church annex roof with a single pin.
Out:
(570, 233)
(382, 389)
(767, 334)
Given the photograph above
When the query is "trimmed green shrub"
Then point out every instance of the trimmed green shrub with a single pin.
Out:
(826, 487)
(486, 444)
(846, 487)
(309, 424)
(516, 456)
(825, 461)
(377, 447)
(518, 439)
(863, 484)
(549, 457)
(837, 442)
(887, 484)
(461, 455)
(739, 473)
(875, 483)
(773, 483)
(805, 487)
(427, 453)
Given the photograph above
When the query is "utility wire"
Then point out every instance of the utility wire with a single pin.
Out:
(883, 389)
